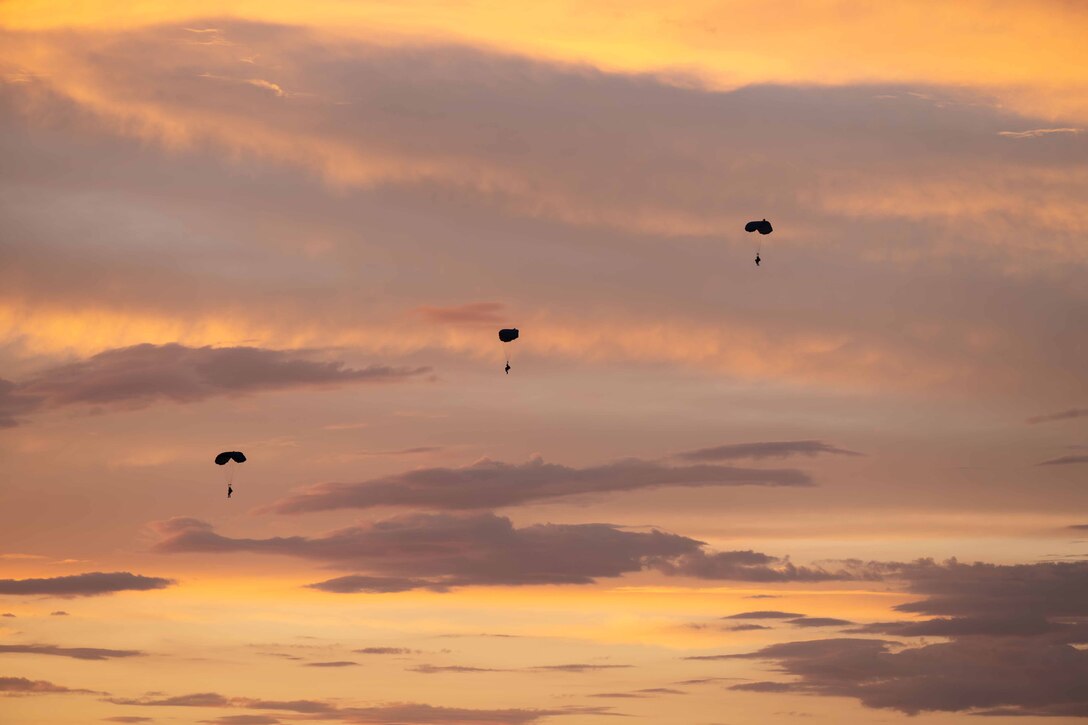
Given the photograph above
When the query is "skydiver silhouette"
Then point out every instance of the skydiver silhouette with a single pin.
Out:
(507, 367)
(757, 259)
(229, 490)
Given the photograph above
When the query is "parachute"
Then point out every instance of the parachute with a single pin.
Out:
(763, 227)
(230, 460)
(226, 456)
(508, 336)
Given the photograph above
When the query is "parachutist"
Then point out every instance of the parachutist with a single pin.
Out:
(757, 259)
(229, 490)
(508, 368)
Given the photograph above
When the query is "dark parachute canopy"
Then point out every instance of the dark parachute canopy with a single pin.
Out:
(763, 227)
(227, 456)
(508, 335)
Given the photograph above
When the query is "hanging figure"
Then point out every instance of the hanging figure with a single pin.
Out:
(757, 259)
(507, 367)
(229, 490)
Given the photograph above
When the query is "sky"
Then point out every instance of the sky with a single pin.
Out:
(847, 485)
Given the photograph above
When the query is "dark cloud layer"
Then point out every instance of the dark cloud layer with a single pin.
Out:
(83, 585)
(1011, 632)
(438, 551)
(489, 484)
(771, 449)
(140, 375)
(79, 653)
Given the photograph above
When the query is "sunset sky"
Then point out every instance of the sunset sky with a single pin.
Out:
(847, 486)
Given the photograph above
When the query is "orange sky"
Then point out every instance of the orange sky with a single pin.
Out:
(292, 229)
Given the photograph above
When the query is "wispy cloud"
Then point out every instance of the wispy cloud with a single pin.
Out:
(83, 585)
(140, 375)
(1063, 415)
(1037, 132)
(78, 653)
(772, 449)
(489, 484)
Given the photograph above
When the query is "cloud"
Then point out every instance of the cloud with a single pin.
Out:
(764, 614)
(1064, 461)
(440, 669)
(818, 622)
(58, 613)
(489, 484)
(440, 551)
(23, 686)
(359, 584)
(384, 714)
(384, 651)
(243, 720)
(1037, 132)
(749, 566)
(197, 699)
(758, 451)
(1021, 675)
(336, 663)
(747, 627)
(765, 687)
(1013, 644)
(79, 653)
(141, 375)
(473, 313)
(83, 585)
(1063, 415)
(127, 718)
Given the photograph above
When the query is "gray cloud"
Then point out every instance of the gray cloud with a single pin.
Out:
(1064, 461)
(818, 622)
(359, 584)
(127, 718)
(335, 663)
(764, 614)
(1021, 675)
(747, 627)
(489, 484)
(765, 687)
(1063, 415)
(244, 720)
(23, 686)
(385, 714)
(1011, 630)
(439, 551)
(384, 651)
(770, 449)
(141, 375)
(83, 585)
(750, 566)
(79, 653)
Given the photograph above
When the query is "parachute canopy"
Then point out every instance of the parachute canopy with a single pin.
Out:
(508, 335)
(227, 456)
(763, 227)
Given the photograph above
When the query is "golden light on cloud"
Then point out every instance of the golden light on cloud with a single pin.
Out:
(1025, 54)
